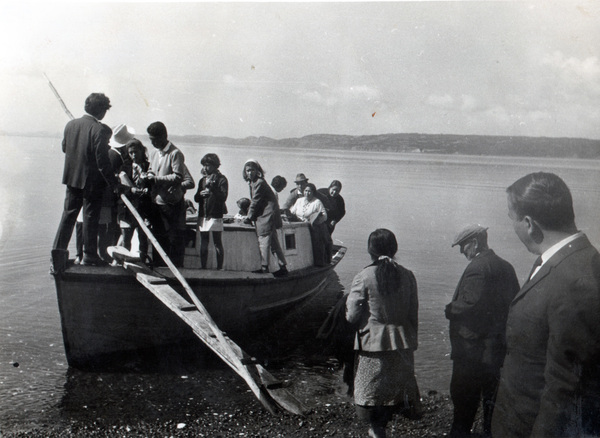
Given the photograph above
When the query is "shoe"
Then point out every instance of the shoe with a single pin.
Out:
(261, 271)
(281, 273)
(96, 261)
(77, 260)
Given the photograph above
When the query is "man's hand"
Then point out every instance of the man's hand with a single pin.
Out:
(121, 189)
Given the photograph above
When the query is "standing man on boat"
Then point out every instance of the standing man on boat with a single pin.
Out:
(550, 384)
(165, 174)
(87, 171)
(477, 315)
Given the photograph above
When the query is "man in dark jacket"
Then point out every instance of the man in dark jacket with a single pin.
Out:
(477, 315)
(87, 171)
(550, 384)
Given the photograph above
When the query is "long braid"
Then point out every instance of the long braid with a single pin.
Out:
(388, 275)
(383, 247)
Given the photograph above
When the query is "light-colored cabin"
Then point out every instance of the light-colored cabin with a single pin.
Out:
(240, 245)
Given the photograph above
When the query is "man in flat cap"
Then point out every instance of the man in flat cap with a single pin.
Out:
(477, 315)
(301, 181)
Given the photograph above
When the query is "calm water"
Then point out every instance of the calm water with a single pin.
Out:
(424, 199)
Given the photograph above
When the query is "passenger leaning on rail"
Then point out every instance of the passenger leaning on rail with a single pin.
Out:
(264, 212)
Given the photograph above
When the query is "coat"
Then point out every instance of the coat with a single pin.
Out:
(212, 206)
(479, 309)
(385, 322)
(264, 208)
(85, 144)
(550, 382)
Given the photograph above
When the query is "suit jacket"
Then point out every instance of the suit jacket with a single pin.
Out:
(264, 208)
(550, 384)
(85, 144)
(385, 322)
(479, 309)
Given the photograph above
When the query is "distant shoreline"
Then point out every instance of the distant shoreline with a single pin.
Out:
(509, 146)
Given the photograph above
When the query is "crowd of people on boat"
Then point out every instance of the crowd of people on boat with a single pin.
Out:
(528, 355)
(101, 164)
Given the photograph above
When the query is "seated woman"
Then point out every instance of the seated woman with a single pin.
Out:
(211, 196)
(310, 209)
(264, 212)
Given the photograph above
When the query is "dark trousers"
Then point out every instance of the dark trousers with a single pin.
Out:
(471, 383)
(75, 199)
(168, 224)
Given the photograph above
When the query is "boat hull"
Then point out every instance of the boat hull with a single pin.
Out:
(106, 313)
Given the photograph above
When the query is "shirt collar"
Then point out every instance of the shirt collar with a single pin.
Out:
(557, 246)
(89, 115)
(164, 150)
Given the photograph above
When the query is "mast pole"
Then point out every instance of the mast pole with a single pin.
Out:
(62, 103)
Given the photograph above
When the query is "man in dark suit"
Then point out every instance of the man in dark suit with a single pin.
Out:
(477, 317)
(86, 173)
(550, 384)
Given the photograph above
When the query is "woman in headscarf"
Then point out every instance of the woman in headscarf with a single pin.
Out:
(264, 212)
(335, 205)
(310, 209)
(212, 193)
(383, 302)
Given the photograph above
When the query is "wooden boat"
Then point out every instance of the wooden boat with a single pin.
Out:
(106, 311)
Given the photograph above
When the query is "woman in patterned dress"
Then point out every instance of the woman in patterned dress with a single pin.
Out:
(383, 303)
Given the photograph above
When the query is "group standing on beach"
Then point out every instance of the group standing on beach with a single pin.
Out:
(529, 355)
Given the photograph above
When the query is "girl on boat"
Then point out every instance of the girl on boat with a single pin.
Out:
(264, 212)
(310, 209)
(383, 302)
(212, 193)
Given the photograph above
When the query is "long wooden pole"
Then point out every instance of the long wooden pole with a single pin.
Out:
(62, 103)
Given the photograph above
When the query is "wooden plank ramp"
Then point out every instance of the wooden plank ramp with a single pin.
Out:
(268, 389)
(264, 386)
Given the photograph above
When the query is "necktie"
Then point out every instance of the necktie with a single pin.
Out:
(536, 265)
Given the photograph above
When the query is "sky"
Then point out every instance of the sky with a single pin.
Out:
(291, 69)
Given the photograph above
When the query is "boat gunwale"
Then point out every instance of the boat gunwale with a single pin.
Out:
(79, 273)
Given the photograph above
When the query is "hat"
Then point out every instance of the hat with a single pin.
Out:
(468, 232)
(300, 178)
(123, 133)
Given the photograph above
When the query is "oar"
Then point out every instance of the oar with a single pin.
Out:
(213, 326)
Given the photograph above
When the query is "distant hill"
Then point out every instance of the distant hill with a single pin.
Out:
(425, 143)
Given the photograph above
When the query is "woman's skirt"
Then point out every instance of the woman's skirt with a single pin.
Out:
(384, 378)
(210, 224)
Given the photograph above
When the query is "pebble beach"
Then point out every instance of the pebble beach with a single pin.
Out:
(223, 407)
